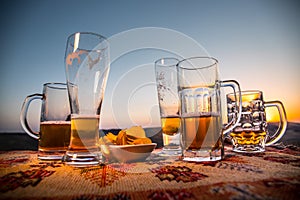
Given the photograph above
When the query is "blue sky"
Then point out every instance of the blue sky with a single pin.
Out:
(256, 42)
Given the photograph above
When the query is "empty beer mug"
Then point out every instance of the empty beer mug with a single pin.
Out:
(55, 126)
(201, 114)
(251, 133)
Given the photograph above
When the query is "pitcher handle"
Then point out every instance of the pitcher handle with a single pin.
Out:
(283, 122)
(236, 89)
(23, 116)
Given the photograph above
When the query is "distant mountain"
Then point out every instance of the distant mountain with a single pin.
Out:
(292, 134)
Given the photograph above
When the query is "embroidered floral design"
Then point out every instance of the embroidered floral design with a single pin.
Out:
(239, 167)
(239, 191)
(279, 183)
(85, 197)
(102, 175)
(6, 162)
(234, 163)
(155, 159)
(233, 158)
(210, 164)
(124, 167)
(47, 164)
(119, 196)
(177, 173)
(31, 177)
(288, 149)
(283, 159)
(168, 194)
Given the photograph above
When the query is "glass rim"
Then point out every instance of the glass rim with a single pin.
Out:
(166, 65)
(246, 92)
(102, 38)
(195, 67)
(55, 85)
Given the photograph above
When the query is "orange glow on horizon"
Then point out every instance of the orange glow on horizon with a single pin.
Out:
(292, 109)
(293, 116)
(272, 115)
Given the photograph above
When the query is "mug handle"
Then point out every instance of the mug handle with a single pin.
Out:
(283, 122)
(23, 116)
(236, 89)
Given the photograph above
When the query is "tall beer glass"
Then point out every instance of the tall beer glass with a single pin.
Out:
(167, 90)
(87, 68)
(201, 114)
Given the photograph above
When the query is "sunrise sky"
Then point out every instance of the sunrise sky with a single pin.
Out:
(256, 42)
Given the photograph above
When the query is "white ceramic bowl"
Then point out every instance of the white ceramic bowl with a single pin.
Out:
(131, 153)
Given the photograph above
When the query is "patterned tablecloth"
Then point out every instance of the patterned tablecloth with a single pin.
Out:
(274, 174)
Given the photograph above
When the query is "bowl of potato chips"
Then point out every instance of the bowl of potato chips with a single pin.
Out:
(129, 145)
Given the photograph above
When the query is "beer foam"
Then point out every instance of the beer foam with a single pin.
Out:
(76, 116)
(56, 122)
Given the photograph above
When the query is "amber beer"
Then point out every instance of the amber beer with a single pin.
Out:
(170, 125)
(201, 132)
(251, 134)
(54, 136)
(248, 138)
(84, 133)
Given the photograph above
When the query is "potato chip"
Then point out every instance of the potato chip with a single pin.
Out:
(142, 141)
(132, 136)
(136, 131)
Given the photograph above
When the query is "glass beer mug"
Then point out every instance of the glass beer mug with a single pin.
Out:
(55, 126)
(251, 133)
(201, 114)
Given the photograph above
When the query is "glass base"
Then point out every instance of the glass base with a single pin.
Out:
(82, 159)
(170, 151)
(50, 155)
(248, 148)
(202, 155)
